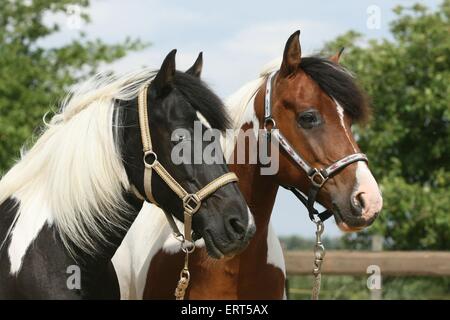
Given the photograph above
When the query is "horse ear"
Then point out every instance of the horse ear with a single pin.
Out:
(164, 78)
(292, 55)
(335, 58)
(196, 69)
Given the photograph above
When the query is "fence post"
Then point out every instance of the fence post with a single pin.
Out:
(377, 245)
(286, 288)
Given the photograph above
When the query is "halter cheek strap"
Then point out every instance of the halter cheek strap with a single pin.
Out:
(191, 201)
(317, 176)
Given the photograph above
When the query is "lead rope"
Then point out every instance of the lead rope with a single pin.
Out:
(188, 247)
(319, 254)
(185, 276)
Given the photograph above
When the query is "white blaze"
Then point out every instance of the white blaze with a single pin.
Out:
(366, 185)
(340, 112)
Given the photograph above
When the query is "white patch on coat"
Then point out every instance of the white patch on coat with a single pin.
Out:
(274, 251)
(173, 246)
(133, 257)
(34, 214)
(251, 118)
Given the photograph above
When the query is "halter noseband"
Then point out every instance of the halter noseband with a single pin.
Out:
(317, 176)
(191, 201)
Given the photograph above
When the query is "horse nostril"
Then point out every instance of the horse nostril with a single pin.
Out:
(238, 228)
(361, 201)
(358, 203)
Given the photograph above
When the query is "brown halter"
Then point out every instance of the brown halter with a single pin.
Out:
(191, 201)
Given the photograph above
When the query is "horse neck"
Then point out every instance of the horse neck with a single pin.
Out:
(112, 239)
(117, 234)
(259, 192)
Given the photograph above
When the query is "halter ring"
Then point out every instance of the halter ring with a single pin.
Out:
(271, 121)
(152, 156)
(187, 246)
(317, 178)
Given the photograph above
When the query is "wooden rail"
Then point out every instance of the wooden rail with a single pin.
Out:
(398, 263)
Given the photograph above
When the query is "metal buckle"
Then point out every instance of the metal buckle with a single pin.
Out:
(152, 155)
(191, 203)
(317, 178)
(185, 274)
(187, 246)
(270, 121)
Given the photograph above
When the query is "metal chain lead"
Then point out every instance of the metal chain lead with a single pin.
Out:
(319, 254)
(185, 275)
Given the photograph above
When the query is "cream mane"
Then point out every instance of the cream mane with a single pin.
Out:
(241, 110)
(74, 170)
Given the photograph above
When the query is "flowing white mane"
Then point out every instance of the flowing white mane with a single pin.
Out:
(241, 110)
(74, 170)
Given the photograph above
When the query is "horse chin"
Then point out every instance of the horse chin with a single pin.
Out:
(211, 248)
(354, 224)
(346, 228)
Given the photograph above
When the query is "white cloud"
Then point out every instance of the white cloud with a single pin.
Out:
(231, 61)
(268, 39)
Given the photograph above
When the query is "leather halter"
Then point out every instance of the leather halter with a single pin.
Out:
(191, 201)
(317, 176)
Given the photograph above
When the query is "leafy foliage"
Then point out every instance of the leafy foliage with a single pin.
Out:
(408, 138)
(408, 144)
(33, 77)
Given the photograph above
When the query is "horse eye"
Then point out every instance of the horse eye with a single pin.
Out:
(308, 119)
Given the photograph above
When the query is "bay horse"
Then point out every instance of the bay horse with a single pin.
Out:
(66, 206)
(313, 102)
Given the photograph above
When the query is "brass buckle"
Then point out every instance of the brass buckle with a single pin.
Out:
(191, 203)
(188, 246)
(317, 178)
(152, 155)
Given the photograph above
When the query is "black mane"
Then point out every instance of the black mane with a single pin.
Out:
(197, 93)
(339, 84)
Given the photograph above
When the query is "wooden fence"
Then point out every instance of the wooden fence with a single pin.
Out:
(398, 263)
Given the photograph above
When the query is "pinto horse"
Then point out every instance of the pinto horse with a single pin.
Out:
(313, 103)
(66, 206)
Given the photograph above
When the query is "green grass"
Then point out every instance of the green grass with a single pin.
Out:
(351, 287)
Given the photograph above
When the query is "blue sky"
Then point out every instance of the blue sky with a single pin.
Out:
(237, 38)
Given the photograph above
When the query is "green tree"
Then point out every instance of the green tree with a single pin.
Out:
(33, 77)
(408, 139)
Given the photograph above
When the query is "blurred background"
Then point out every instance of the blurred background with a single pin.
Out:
(398, 50)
